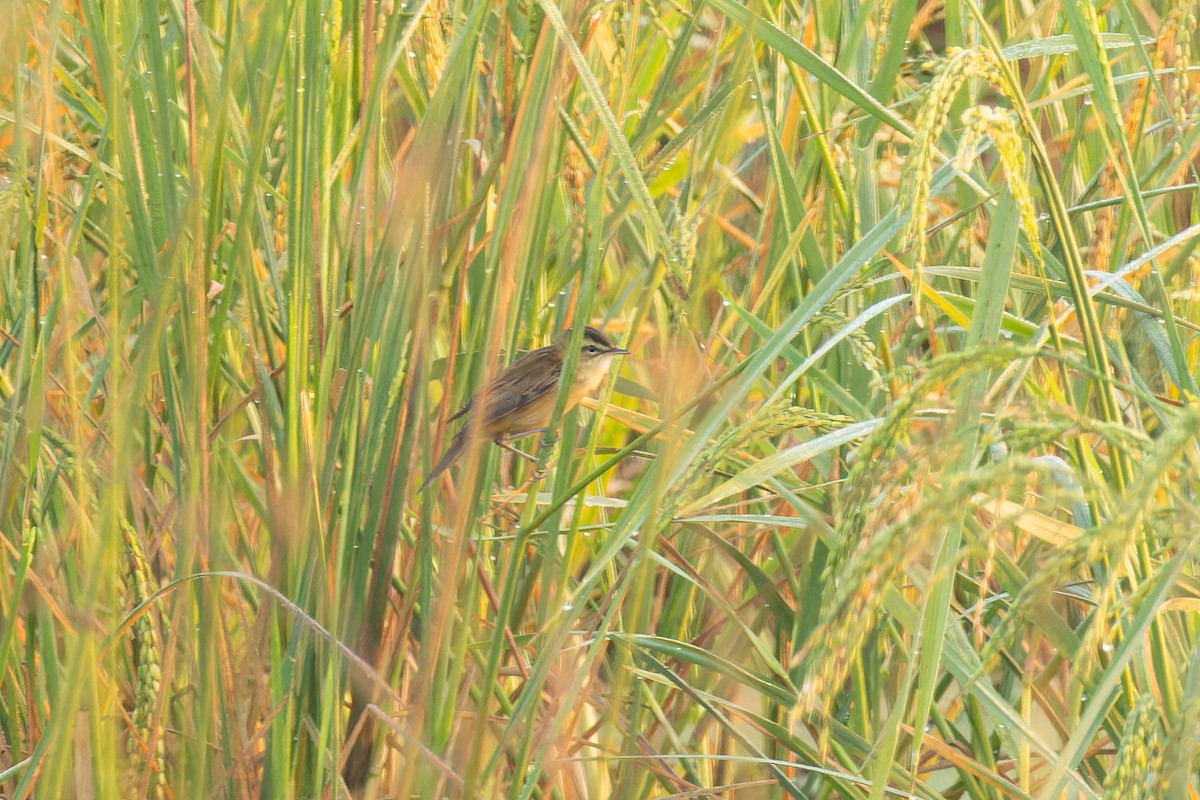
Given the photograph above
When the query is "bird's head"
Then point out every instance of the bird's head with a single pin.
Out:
(596, 355)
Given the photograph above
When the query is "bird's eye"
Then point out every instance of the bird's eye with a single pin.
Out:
(591, 348)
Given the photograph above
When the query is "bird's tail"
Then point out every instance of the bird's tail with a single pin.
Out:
(360, 760)
(452, 452)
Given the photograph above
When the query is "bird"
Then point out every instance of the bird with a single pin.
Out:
(520, 400)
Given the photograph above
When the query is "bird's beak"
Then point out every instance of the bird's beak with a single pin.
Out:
(617, 351)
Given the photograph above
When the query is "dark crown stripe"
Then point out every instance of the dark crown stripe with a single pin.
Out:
(590, 334)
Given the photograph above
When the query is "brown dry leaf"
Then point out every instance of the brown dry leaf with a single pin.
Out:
(1034, 523)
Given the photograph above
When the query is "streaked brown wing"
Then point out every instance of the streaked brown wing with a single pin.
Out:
(530, 376)
(462, 410)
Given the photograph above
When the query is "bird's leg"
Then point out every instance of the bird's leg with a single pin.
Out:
(501, 443)
(529, 432)
(537, 474)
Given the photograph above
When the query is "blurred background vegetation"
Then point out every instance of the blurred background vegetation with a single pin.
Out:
(896, 497)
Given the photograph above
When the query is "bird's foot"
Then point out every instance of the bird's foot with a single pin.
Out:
(533, 477)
